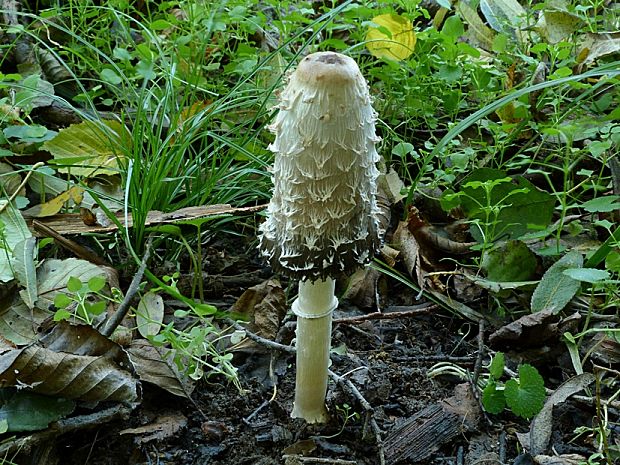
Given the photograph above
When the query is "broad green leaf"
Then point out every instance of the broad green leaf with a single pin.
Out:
(512, 261)
(150, 314)
(26, 411)
(522, 206)
(29, 133)
(493, 399)
(13, 229)
(89, 149)
(392, 39)
(525, 396)
(612, 261)
(34, 92)
(588, 275)
(606, 203)
(25, 253)
(496, 368)
(108, 75)
(556, 289)
(453, 27)
(96, 284)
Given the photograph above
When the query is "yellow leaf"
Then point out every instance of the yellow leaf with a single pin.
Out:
(51, 207)
(394, 39)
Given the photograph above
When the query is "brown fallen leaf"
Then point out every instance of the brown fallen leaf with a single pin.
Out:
(163, 427)
(264, 307)
(155, 366)
(73, 362)
(74, 224)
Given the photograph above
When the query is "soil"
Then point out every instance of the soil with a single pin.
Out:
(386, 360)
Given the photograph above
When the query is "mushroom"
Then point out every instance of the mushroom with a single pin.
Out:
(322, 219)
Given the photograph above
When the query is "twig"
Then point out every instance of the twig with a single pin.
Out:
(21, 186)
(349, 386)
(247, 419)
(301, 459)
(261, 340)
(77, 249)
(123, 308)
(435, 359)
(473, 379)
(413, 312)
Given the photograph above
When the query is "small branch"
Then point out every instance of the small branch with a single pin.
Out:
(347, 385)
(261, 340)
(116, 319)
(413, 312)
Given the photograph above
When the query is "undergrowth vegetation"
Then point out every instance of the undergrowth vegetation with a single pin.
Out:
(500, 136)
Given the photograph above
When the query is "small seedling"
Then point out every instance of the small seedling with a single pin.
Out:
(524, 395)
(83, 301)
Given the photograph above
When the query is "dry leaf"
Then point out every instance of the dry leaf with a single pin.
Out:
(393, 39)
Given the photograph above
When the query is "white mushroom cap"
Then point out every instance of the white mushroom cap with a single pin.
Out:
(322, 218)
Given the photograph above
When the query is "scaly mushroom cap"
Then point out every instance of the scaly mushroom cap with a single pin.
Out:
(322, 218)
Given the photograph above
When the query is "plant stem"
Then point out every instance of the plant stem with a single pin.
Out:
(314, 306)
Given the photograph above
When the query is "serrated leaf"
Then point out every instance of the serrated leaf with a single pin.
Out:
(496, 368)
(556, 289)
(392, 39)
(493, 399)
(26, 411)
(13, 229)
(25, 253)
(150, 314)
(525, 396)
(88, 149)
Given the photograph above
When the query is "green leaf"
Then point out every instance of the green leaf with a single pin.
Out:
(453, 27)
(493, 399)
(74, 284)
(13, 229)
(97, 308)
(110, 77)
(496, 368)
(27, 411)
(511, 262)
(150, 314)
(522, 206)
(525, 396)
(62, 315)
(588, 275)
(89, 148)
(612, 261)
(25, 253)
(556, 289)
(96, 283)
(605, 204)
(62, 300)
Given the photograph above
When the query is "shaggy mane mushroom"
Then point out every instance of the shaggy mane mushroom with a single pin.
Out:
(322, 218)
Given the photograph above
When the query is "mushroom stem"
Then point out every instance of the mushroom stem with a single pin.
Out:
(314, 306)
